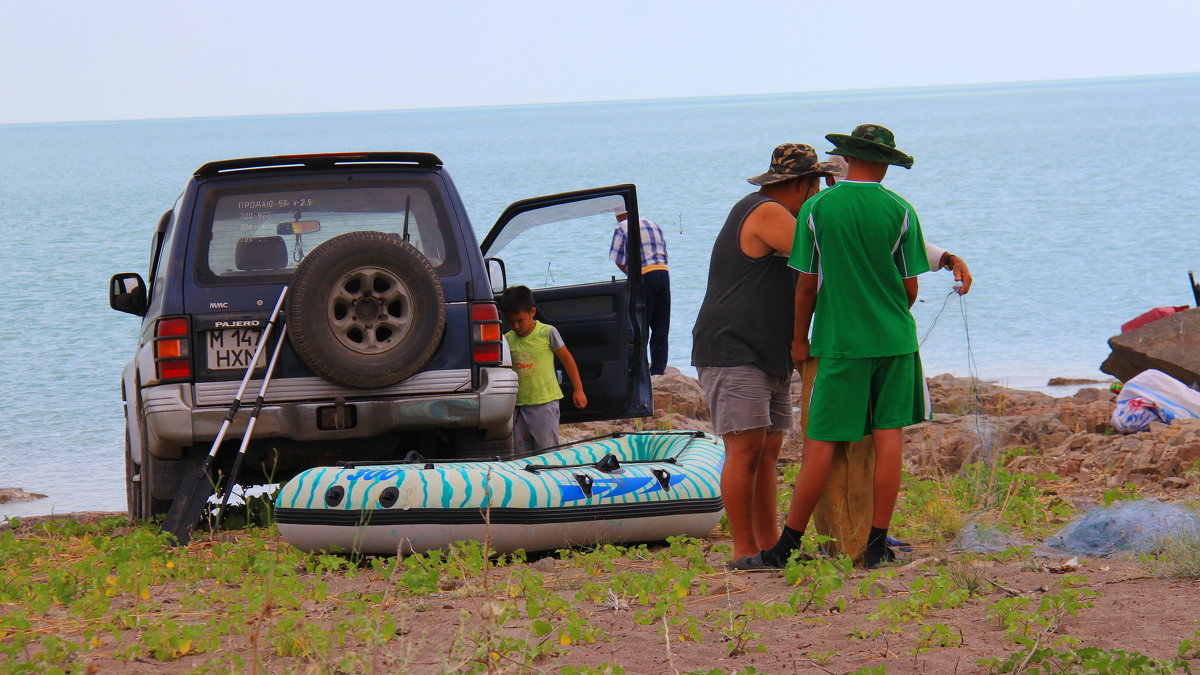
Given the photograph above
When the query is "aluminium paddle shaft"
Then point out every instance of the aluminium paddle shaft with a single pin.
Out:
(195, 490)
(258, 404)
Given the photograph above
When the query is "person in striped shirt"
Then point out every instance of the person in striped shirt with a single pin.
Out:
(656, 282)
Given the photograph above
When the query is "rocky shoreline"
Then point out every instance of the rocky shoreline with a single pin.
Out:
(1069, 436)
(1028, 431)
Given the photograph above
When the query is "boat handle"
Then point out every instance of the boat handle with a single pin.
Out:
(607, 464)
(585, 484)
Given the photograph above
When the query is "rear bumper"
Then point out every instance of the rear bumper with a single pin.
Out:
(431, 400)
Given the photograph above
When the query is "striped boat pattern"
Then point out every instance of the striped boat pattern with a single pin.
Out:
(688, 468)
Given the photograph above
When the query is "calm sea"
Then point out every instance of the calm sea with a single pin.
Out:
(1073, 202)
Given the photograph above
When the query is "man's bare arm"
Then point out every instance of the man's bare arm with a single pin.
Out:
(910, 289)
(768, 229)
(941, 259)
(962, 274)
(806, 301)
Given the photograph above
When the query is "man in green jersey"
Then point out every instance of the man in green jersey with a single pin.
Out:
(858, 248)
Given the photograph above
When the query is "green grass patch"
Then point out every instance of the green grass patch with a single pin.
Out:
(1177, 556)
(244, 601)
(936, 509)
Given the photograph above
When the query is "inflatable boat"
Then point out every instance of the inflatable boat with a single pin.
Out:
(621, 488)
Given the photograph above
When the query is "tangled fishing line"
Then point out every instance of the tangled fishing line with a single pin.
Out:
(984, 433)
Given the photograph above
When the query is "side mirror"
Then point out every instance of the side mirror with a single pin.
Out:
(497, 275)
(127, 293)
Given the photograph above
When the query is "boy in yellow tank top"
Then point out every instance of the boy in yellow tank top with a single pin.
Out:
(534, 345)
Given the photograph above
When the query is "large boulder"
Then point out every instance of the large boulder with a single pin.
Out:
(1170, 344)
(16, 494)
(675, 392)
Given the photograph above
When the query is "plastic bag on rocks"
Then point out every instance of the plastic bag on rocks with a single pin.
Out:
(1153, 396)
(1139, 526)
(1135, 414)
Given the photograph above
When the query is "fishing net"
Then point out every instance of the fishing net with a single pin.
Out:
(983, 538)
(1140, 526)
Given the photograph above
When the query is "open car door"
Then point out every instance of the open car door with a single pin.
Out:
(558, 246)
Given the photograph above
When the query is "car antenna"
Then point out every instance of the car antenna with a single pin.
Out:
(407, 203)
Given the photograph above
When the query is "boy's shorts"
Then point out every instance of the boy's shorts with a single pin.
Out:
(741, 398)
(535, 427)
(852, 397)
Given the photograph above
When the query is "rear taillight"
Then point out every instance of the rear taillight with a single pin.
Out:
(485, 334)
(172, 359)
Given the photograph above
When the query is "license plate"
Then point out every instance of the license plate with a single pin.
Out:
(232, 349)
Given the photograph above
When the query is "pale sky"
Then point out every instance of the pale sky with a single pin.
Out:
(136, 59)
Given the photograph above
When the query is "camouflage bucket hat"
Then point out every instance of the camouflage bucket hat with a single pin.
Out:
(793, 160)
(870, 142)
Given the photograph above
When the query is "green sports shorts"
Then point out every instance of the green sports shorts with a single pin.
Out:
(852, 397)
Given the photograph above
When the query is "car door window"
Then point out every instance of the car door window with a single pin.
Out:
(560, 244)
(559, 247)
(162, 247)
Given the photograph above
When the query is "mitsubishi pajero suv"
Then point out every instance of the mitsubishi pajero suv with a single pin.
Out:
(393, 341)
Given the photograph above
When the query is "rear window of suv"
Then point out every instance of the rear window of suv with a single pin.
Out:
(267, 232)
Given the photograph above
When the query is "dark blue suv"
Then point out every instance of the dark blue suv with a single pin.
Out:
(394, 343)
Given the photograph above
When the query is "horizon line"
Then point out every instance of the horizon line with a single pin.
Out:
(485, 106)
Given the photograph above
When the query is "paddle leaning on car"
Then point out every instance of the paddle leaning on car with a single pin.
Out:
(390, 341)
(188, 505)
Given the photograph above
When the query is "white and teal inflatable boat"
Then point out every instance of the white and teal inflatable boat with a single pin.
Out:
(622, 488)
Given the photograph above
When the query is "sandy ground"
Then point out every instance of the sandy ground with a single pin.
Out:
(1134, 612)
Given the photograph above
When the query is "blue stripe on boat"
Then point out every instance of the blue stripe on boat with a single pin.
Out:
(466, 488)
(447, 490)
(508, 489)
(313, 492)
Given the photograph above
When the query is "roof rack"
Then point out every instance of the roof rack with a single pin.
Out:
(320, 161)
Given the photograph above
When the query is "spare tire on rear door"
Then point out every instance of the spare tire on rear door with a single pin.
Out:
(367, 310)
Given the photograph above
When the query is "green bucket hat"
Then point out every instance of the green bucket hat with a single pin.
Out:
(793, 160)
(870, 142)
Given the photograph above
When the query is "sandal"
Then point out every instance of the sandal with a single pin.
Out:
(755, 563)
(751, 563)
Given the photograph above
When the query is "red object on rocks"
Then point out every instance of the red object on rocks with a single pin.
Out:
(1153, 315)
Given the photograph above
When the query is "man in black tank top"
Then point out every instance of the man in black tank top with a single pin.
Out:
(742, 336)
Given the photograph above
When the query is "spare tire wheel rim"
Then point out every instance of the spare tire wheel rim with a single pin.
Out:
(370, 310)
